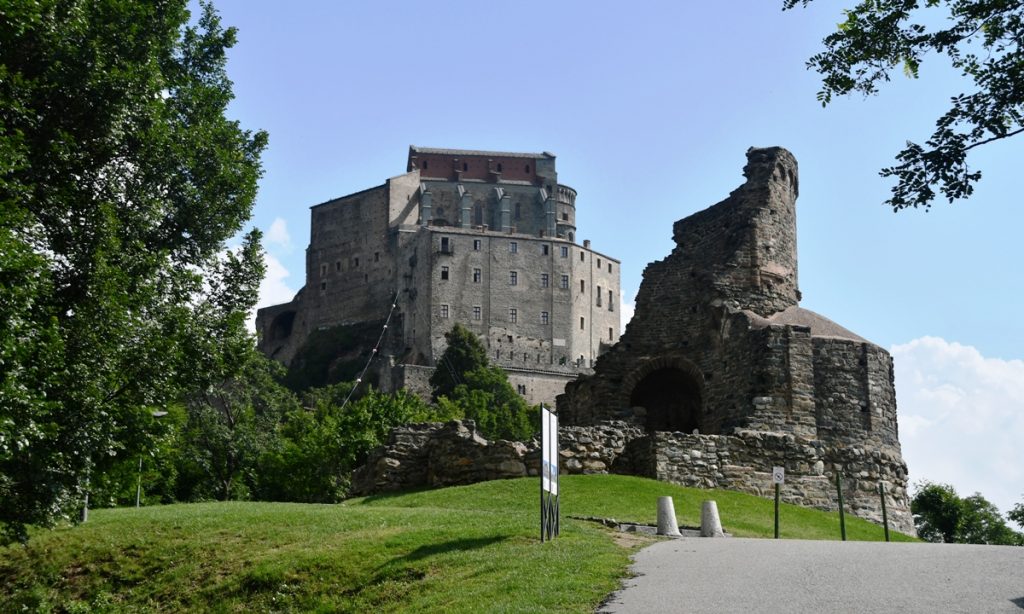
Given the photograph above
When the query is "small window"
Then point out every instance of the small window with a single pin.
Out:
(519, 211)
(376, 256)
(583, 323)
(323, 270)
(521, 388)
(583, 257)
(513, 247)
(609, 267)
(323, 286)
(476, 245)
(583, 286)
(513, 315)
(499, 167)
(355, 262)
(337, 265)
(444, 272)
(366, 277)
(565, 252)
(527, 168)
(477, 275)
(513, 278)
(598, 295)
(545, 280)
(444, 311)
(611, 303)
(565, 282)
(565, 216)
(611, 337)
(477, 311)
(425, 164)
(598, 263)
(545, 249)
(445, 245)
(465, 166)
(544, 317)
(497, 354)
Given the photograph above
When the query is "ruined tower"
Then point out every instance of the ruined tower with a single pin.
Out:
(730, 377)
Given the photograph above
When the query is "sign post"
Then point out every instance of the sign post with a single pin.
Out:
(548, 474)
(778, 477)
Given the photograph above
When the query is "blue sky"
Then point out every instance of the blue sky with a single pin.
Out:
(650, 109)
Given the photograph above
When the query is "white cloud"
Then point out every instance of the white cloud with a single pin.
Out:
(626, 311)
(277, 234)
(961, 418)
(273, 289)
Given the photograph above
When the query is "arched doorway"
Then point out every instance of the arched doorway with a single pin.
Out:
(672, 398)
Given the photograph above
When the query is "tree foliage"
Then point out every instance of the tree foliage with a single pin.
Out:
(940, 515)
(120, 181)
(983, 39)
(463, 354)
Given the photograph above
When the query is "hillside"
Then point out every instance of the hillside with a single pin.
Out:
(463, 549)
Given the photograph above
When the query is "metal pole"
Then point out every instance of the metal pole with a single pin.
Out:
(842, 513)
(776, 510)
(138, 485)
(885, 516)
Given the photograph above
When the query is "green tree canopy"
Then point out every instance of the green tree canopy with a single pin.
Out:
(120, 182)
(940, 515)
(464, 353)
(983, 39)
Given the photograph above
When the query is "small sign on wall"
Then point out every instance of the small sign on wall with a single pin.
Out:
(778, 475)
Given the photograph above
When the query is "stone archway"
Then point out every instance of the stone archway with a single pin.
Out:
(671, 393)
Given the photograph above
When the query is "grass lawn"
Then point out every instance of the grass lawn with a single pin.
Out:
(464, 549)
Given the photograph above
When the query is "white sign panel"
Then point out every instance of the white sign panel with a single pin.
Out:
(545, 448)
(778, 475)
(553, 451)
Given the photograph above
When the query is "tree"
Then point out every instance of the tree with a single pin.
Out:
(940, 515)
(984, 40)
(120, 181)
(1017, 514)
(487, 398)
(464, 353)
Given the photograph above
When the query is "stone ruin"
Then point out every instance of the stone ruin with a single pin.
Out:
(719, 377)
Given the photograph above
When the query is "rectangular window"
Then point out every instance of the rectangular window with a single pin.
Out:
(513, 247)
(544, 317)
(609, 267)
(565, 252)
(323, 286)
(545, 280)
(476, 245)
(445, 245)
(476, 312)
(598, 294)
(598, 263)
(583, 286)
(611, 304)
(356, 259)
(565, 216)
(521, 388)
(582, 257)
(565, 282)
(477, 275)
(323, 270)
(513, 315)
(376, 256)
(545, 249)
(583, 323)
(444, 311)
(513, 278)
(337, 265)
(444, 272)
(610, 335)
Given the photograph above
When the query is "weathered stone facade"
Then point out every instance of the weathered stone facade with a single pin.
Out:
(486, 239)
(729, 376)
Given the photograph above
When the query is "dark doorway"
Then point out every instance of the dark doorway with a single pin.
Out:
(672, 400)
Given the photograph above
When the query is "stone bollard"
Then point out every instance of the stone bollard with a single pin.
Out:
(667, 524)
(710, 524)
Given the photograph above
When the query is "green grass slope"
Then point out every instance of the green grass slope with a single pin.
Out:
(464, 549)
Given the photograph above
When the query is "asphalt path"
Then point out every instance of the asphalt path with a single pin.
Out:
(766, 575)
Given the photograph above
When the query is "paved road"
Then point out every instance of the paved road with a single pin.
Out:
(763, 575)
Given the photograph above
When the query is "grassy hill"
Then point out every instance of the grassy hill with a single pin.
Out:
(463, 549)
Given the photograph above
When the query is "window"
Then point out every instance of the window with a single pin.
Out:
(521, 388)
(565, 252)
(598, 294)
(582, 257)
(323, 270)
(611, 303)
(545, 249)
(355, 262)
(518, 211)
(513, 247)
(337, 265)
(565, 282)
(477, 275)
(598, 263)
(445, 245)
(513, 315)
(527, 169)
(476, 312)
(565, 216)
(323, 286)
(609, 267)
(476, 245)
(513, 278)
(465, 166)
(425, 164)
(444, 272)
(544, 317)
(583, 286)
(611, 337)
(444, 311)
(499, 167)
(376, 256)
(545, 280)
(583, 323)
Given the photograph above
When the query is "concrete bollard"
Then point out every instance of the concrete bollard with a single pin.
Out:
(667, 524)
(710, 524)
